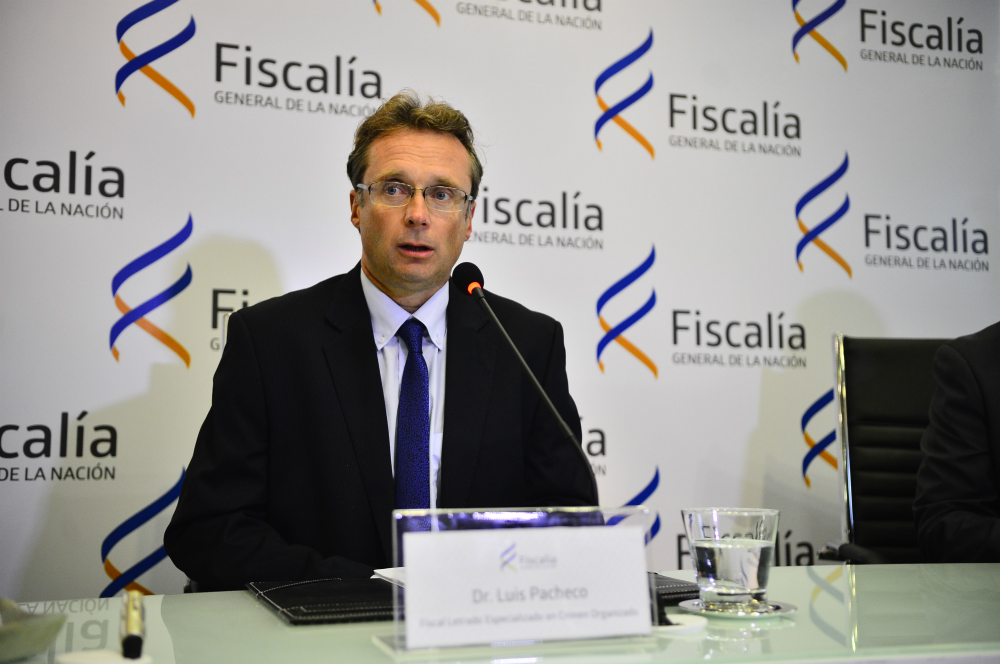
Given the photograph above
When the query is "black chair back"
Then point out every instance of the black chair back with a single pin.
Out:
(884, 391)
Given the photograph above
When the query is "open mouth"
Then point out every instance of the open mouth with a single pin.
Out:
(415, 249)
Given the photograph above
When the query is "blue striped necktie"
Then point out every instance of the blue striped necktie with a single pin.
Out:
(413, 423)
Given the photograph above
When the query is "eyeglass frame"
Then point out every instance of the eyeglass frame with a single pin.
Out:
(368, 187)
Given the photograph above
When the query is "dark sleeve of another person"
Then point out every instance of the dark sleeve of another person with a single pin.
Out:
(956, 505)
(555, 473)
(219, 535)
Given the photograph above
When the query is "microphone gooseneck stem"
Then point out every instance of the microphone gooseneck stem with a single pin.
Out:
(478, 292)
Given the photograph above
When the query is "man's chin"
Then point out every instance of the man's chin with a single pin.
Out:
(419, 280)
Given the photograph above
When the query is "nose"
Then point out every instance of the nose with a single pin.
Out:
(416, 209)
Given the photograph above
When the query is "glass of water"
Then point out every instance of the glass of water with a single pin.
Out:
(732, 549)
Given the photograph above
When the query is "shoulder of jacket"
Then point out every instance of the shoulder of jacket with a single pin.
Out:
(982, 347)
(295, 303)
(515, 313)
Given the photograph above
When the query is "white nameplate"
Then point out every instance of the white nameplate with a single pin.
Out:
(472, 587)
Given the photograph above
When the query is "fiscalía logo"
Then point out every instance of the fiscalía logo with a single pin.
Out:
(127, 580)
(507, 558)
(613, 113)
(812, 235)
(615, 333)
(143, 62)
(817, 449)
(427, 6)
(945, 37)
(639, 499)
(809, 28)
(138, 314)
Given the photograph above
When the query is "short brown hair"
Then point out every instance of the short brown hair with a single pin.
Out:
(406, 111)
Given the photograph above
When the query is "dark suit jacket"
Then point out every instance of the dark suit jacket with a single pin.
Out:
(957, 506)
(291, 477)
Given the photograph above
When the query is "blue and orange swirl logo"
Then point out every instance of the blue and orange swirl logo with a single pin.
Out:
(613, 113)
(812, 235)
(137, 315)
(507, 558)
(143, 62)
(615, 333)
(639, 499)
(809, 28)
(817, 449)
(127, 580)
(427, 7)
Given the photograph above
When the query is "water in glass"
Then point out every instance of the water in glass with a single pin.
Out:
(732, 572)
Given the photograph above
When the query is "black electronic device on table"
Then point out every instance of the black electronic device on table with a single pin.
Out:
(326, 600)
(670, 592)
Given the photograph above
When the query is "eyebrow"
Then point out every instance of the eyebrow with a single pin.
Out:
(398, 175)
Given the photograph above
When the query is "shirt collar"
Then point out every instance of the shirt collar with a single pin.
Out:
(387, 316)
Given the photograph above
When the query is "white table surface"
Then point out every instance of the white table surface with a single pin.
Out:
(884, 613)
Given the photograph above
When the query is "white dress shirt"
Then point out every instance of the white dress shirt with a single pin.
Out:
(387, 317)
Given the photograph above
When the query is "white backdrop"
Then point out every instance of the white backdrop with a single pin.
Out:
(260, 171)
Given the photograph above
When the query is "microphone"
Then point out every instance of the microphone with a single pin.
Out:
(470, 279)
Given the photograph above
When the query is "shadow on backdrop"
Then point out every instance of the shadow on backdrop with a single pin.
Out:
(773, 473)
(156, 430)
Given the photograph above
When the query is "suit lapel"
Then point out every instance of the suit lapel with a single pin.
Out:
(468, 383)
(351, 355)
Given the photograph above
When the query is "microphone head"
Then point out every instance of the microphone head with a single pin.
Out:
(468, 277)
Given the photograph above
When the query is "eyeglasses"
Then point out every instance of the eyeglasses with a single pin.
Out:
(398, 194)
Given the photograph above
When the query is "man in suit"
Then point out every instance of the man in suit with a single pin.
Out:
(957, 506)
(323, 417)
